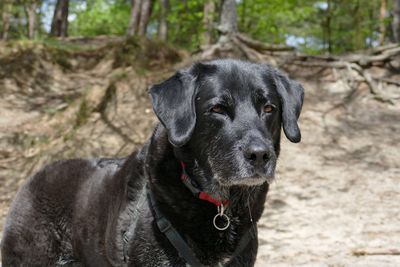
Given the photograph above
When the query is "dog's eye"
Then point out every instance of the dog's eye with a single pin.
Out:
(218, 109)
(268, 108)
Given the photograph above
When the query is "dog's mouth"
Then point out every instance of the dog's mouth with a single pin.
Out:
(251, 177)
(254, 180)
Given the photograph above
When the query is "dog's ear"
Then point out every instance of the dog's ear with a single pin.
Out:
(173, 103)
(291, 94)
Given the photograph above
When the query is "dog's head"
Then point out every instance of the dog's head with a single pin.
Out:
(225, 117)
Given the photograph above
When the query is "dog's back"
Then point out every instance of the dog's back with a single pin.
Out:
(47, 206)
(220, 127)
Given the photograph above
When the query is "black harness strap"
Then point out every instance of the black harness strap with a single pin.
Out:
(165, 226)
(173, 236)
(250, 234)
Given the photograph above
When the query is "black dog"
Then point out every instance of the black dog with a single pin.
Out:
(192, 195)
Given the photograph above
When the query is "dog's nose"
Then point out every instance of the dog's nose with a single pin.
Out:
(257, 153)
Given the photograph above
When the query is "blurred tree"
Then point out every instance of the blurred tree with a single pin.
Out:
(163, 24)
(382, 24)
(140, 15)
(233, 43)
(31, 7)
(59, 24)
(396, 21)
(208, 21)
(145, 13)
(135, 17)
(5, 17)
(327, 26)
(228, 20)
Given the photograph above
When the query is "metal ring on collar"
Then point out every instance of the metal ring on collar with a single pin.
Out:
(228, 222)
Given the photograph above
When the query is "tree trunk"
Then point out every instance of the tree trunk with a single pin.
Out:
(31, 14)
(135, 17)
(231, 43)
(382, 26)
(329, 27)
(208, 19)
(59, 25)
(396, 21)
(6, 14)
(144, 17)
(358, 18)
(163, 25)
(243, 16)
(228, 22)
(371, 28)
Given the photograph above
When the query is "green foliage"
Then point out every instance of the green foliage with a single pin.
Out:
(185, 20)
(313, 26)
(82, 114)
(17, 29)
(111, 17)
(58, 44)
(272, 20)
(100, 17)
(335, 26)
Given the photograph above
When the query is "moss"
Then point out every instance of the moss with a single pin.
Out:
(27, 141)
(140, 53)
(83, 114)
(69, 135)
(144, 54)
(22, 60)
(60, 57)
(118, 75)
(64, 46)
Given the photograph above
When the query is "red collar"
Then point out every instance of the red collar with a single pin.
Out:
(197, 192)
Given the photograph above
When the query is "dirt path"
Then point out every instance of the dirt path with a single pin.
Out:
(339, 189)
(336, 191)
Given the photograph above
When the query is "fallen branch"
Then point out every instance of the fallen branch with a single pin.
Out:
(380, 49)
(386, 80)
(249, 52)
(118, 131)
(364, 61)
(322, 58)
(102, 107)
(361, 59)
(375, 251)
(343, 64)
(242, 46)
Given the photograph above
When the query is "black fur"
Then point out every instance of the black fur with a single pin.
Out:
(96, 213)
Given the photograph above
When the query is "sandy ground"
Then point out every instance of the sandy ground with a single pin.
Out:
(336, 192)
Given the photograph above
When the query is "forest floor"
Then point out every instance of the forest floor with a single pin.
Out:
(336, 195)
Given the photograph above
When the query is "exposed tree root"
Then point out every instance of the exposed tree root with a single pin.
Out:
(102, 109)
(359, 63)
(378, 56)
(386, 80)
(378, 94)
(242, 46)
